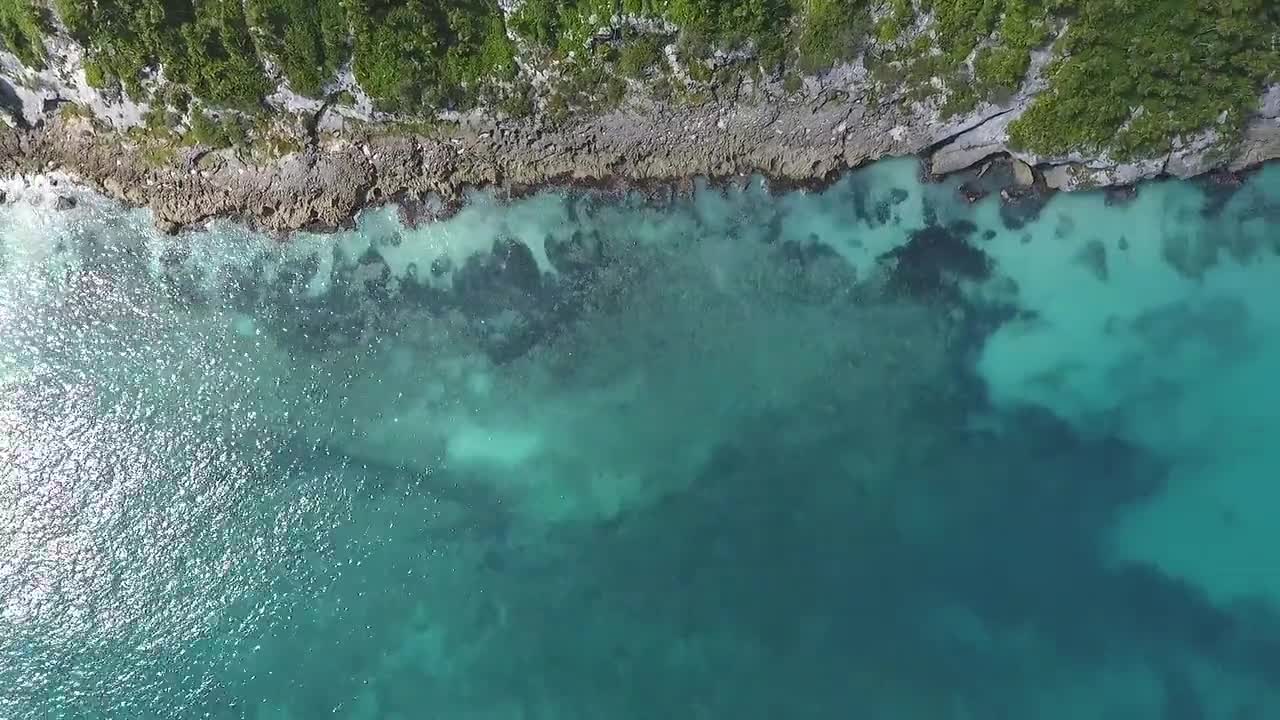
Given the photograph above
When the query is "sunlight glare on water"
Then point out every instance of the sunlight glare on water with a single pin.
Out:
(871, 451)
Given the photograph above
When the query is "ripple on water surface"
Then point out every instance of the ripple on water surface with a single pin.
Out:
(869, 451)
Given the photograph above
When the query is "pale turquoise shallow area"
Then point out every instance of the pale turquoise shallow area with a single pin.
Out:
(870, 452)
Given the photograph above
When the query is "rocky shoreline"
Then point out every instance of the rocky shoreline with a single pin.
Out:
(806, 138)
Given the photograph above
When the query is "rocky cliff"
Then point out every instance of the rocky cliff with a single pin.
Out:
(313, 162)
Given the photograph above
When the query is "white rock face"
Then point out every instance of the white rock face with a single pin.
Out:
(1023, 175)
(839, 97)
(1190, 156)
(1270, 105)
(288, 101)
(1100, 173)
(1261, 139)
(1193, 156)
(973, 146)
(62, 81)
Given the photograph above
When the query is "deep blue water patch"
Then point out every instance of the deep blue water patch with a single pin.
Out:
(884, 451)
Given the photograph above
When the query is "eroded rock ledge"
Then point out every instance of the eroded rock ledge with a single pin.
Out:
(805, 138)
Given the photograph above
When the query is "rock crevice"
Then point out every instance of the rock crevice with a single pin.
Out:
(804, 138)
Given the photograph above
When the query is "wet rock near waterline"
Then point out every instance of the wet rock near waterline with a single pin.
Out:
(972, 192)
(645, 147)
(1023, 175)
(1009, 178)
(1120, 195)
(1218, 189)
(1020, 206)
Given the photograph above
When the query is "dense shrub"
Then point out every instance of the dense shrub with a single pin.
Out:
(217, 58)
(207, 132)
(208, 47)
(1127, 76)
(1132, 75)
(638, 57)
(396, 51)
(829, 31)
(21, 32)
(307, 38)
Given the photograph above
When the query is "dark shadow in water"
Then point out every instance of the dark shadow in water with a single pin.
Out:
(853, 604)
(893, 585)
(930, 263)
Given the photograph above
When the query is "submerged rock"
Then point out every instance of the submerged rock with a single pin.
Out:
(1020, 206)
(933, 258)
(506, 277)
(581, 252)
(971, 192)
(1121, 194)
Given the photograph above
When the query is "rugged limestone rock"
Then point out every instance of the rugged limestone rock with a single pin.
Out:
(347, 157)
(1189, 157)
(1023, 175)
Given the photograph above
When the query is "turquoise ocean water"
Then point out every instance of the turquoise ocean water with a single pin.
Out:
(870, 452)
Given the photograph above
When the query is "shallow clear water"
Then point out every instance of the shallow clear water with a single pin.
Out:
(870, 452)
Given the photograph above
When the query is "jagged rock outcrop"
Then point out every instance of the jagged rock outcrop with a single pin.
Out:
(344, 157)
(1208, 151)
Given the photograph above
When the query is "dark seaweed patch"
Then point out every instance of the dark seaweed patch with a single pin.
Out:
(930, 262)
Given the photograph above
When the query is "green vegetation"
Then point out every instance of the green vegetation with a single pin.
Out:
(234, 130)
(792, 83)
(1132, 75)
(479, 54)
(543, 21)
(205, 131)
(307, 38)
(411, 56)
(638, 57)
(518, 103)
(21, 31)
(997, 35)
(828, 32)
(75, 111)
(158, 155)
(894, 23)
(732, 22)
(721, 23)
(96, 77)
(1127, 76)
(219, 62)
(564, 26)
(396, 51)
(206, 47)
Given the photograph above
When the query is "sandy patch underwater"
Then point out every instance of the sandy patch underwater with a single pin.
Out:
(577, 456)
(1157, 321)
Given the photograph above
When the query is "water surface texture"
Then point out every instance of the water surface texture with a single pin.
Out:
(872, 452)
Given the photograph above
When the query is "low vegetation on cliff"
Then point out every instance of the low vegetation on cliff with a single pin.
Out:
(1123, 76)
